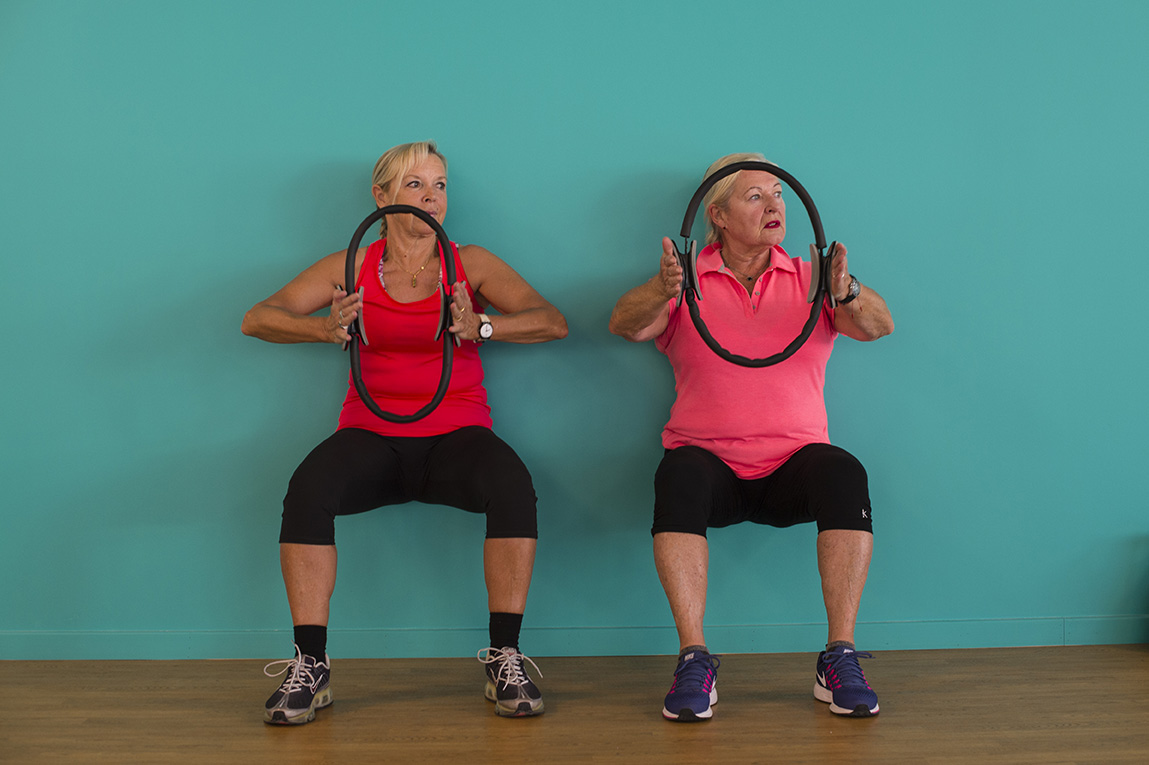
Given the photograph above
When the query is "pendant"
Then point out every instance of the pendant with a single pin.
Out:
(413, 282)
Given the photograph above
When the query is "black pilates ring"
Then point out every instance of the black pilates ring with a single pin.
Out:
(820, 276)
(355, 329)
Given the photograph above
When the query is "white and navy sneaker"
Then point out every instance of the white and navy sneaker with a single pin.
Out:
(695, 688)
(508, 684)
(840, 682)
(306, 688)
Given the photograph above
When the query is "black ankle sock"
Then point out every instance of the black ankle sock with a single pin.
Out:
(843, 643)
(690, 648)
(505, 630)
(312, 640)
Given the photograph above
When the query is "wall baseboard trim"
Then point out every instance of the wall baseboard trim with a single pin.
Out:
(572, 641)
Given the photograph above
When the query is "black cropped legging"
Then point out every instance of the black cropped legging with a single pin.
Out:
(356, 470)
(695, 490)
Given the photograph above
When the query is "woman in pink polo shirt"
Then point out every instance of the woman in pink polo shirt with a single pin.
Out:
(450, 457)
(751, 444)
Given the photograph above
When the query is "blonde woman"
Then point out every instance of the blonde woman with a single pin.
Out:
(450, 457)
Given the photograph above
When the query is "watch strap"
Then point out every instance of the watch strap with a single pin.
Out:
(854, 291)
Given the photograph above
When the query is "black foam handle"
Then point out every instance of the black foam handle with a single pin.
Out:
(688, 262)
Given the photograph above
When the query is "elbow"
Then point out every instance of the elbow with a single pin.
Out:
(630, 334)
(624, 332)
(881, 330)
(617, 327)
(559, 329)
(251, 325)
(247, 327)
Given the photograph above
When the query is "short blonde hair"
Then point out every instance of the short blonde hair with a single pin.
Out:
(397, 162)
(720, 192)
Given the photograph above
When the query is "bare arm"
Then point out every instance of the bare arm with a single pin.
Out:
(866, 317)
(524, 315)
(643, 312)
(286, 316)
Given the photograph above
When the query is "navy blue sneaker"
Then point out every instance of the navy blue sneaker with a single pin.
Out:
(840, 682)
(694, 689)
(306, 688)
(508, 685)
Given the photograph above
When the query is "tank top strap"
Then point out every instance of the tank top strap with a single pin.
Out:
(370, 261)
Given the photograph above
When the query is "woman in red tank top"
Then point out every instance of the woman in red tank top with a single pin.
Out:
(450, 457)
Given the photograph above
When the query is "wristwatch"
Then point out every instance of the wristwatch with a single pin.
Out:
(854, 290)
(485, 328)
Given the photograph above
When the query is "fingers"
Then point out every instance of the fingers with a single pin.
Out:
(669, 269)
(349, 304)
(669, 261)
(840, 272)
(839, 255)
(459, 296)
(464, 322)
(345, 309)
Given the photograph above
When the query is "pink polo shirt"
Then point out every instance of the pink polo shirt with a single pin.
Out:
(752, 419)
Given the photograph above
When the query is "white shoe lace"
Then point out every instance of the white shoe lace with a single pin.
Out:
(299, 674)
(510, 661)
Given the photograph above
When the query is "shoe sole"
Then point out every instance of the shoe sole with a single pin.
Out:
(827, 696)
(280, 717)
(525, 708)
(689, 715)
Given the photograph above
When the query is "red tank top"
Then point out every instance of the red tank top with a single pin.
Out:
(402, 361)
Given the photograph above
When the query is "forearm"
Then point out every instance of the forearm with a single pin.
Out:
(278, 325)
(532, 325)
(640, 314)
(867, 317)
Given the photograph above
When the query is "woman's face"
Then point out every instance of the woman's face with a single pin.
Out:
(755, 214)
(424, 186)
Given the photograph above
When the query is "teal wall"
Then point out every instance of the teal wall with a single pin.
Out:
(167, 164)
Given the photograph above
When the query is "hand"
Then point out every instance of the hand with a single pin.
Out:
(344, 310)
(464, 322)
(839, 273)
(669, 271)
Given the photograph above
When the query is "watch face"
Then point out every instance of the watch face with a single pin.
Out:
(486, 330)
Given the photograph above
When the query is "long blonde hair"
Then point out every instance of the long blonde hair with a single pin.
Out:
(720, 192)
(397, 162)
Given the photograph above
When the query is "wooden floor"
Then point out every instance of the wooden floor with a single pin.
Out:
(1081, 704)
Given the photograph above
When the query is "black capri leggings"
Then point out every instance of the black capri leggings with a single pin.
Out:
(694, 490)
(356, 470)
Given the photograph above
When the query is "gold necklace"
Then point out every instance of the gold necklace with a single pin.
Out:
(415, 274)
